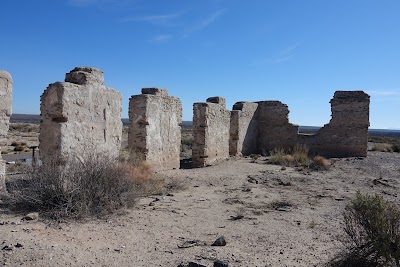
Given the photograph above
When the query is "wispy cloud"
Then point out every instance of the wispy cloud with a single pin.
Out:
(154, 19)
(384, 93)
(205, 22)
(161, 38)
(286, 54)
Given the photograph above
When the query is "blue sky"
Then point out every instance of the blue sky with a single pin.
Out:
(298, 52)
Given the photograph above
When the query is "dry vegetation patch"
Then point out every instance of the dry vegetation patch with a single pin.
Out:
(94, 186)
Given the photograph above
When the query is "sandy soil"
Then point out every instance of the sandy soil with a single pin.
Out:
(269, 216)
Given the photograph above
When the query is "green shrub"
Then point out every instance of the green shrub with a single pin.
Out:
(254, 157)
(372, 225)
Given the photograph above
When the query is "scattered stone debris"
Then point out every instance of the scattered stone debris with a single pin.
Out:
(191, 264)
(237, 217)
(191, 243)
(219, 263)
(31, 216)
(219, 242)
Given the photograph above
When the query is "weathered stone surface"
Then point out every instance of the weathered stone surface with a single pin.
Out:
(346, 135)
(155, 132)
(80, 116)
(243, 129)
(211, 123)
(5, 113)
(5, 102)
(274, 129)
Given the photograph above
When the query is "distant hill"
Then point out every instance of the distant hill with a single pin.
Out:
(30, 118)
(25, 118)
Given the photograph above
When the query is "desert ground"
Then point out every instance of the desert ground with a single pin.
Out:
(269, 215)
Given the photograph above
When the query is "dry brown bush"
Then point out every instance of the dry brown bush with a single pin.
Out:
(94, 186)
(382, 147)
(321, 163)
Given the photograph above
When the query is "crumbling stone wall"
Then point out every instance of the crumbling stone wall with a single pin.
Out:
(274, 129)
(346, 135)
(155, 131)
(211, 123)
(5, 113)
(80, 116)
(243, 129)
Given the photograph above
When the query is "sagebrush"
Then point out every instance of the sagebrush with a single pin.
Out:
(372, 225)
(96, 185)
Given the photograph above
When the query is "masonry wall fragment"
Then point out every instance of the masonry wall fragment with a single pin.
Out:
(211, 123)
(5, 113)
(274, 129)
(346, 135)
(155, 131)
(80, 116)
(243, 129)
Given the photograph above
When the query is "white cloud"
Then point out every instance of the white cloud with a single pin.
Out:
(286, 54)
(205, 22)
(154, 19)
(161, 38)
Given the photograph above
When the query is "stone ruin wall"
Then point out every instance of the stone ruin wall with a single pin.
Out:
(243, 129)
(346, 135)
(80, 116)
(274, 129)
(5, 114)
(155, 131)
(266, 126)
(211, 123)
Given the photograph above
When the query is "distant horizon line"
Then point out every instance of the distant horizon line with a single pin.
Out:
(312, 126)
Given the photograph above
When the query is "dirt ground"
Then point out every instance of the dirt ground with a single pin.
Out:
(269, 216)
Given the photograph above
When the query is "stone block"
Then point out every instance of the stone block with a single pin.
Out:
(155, 131)
(211, 126)
(243, 129)
(80, 116)
(274, 129)
(5, 114)
(346, 135)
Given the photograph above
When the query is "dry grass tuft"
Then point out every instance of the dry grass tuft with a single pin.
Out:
(296, 157)
(321, 163)
(382, 147)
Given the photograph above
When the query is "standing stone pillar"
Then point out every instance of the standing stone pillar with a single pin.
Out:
(243, 129)
(5, 114)
(211, 123)
(155, 131)
(80, 117)
(346, 135)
